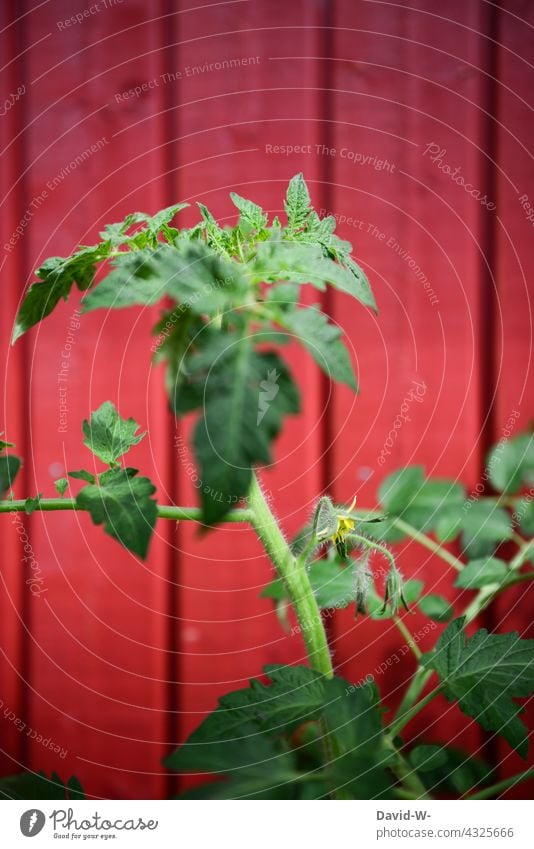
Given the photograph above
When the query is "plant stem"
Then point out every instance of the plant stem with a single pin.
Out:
(411, 782)
(398, 724)
(487, 792)
(428, 543)
(408, 637)
(487, 594)
(193, 514)
(295, 577)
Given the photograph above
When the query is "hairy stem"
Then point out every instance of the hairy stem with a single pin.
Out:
(295, 577)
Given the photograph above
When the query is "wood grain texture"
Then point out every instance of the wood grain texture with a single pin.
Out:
(117, 661)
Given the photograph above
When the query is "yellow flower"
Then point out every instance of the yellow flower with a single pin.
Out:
(345, 524)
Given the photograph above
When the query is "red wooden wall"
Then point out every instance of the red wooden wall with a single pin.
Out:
(118, 660)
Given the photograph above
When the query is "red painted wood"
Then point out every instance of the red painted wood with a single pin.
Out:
(12, 418)
(98, 683)
(122, 658)
(514, 268)
(397, 87)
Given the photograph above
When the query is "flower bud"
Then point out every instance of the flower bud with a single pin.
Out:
(394, 594)
(362, 583)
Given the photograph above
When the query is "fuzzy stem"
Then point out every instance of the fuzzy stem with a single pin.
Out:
(295, 578)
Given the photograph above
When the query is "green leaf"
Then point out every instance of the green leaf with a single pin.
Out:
(61, 486)
(250, 212)
(31, 504)
(283, 295)
(417, 501)
(156, 223)
(9, 468)
(217, 238)
(282, 260)
(448, 524)
(4, 445)
(246, 394)
(190, 272)
(249, 739)
(399, 488)
(458, 773)
(122, 503)
(484, 673)
(484, 526)
(30, 785)
(424, 758)
(322, 340)
(333, 585)
(75, 788)
(525, 513)
(480, 573)
(511, 463)
(58, 275)
(436, 608)
(82, 475)
(297, 203)
(108, 435)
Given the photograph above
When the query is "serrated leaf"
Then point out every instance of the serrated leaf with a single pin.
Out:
(190, 272)
(302, 263)
(297, 203)
(217, 238)
(156, 223)
(484, 673)
(436, 607)
(108, 435)
(250, 212)
(58, 275)
(9, 468)
(245, 397)
(480, 573)
(248, 739)
(61, 486)
(322, 339)
(29, 785)
(122, 503)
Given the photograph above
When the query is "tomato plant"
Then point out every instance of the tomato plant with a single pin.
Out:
(231, 299)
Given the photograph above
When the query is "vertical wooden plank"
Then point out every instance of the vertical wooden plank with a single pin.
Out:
(98, 683)
(239, 106)
(12, 577)
(405, 87)
(514, 266)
